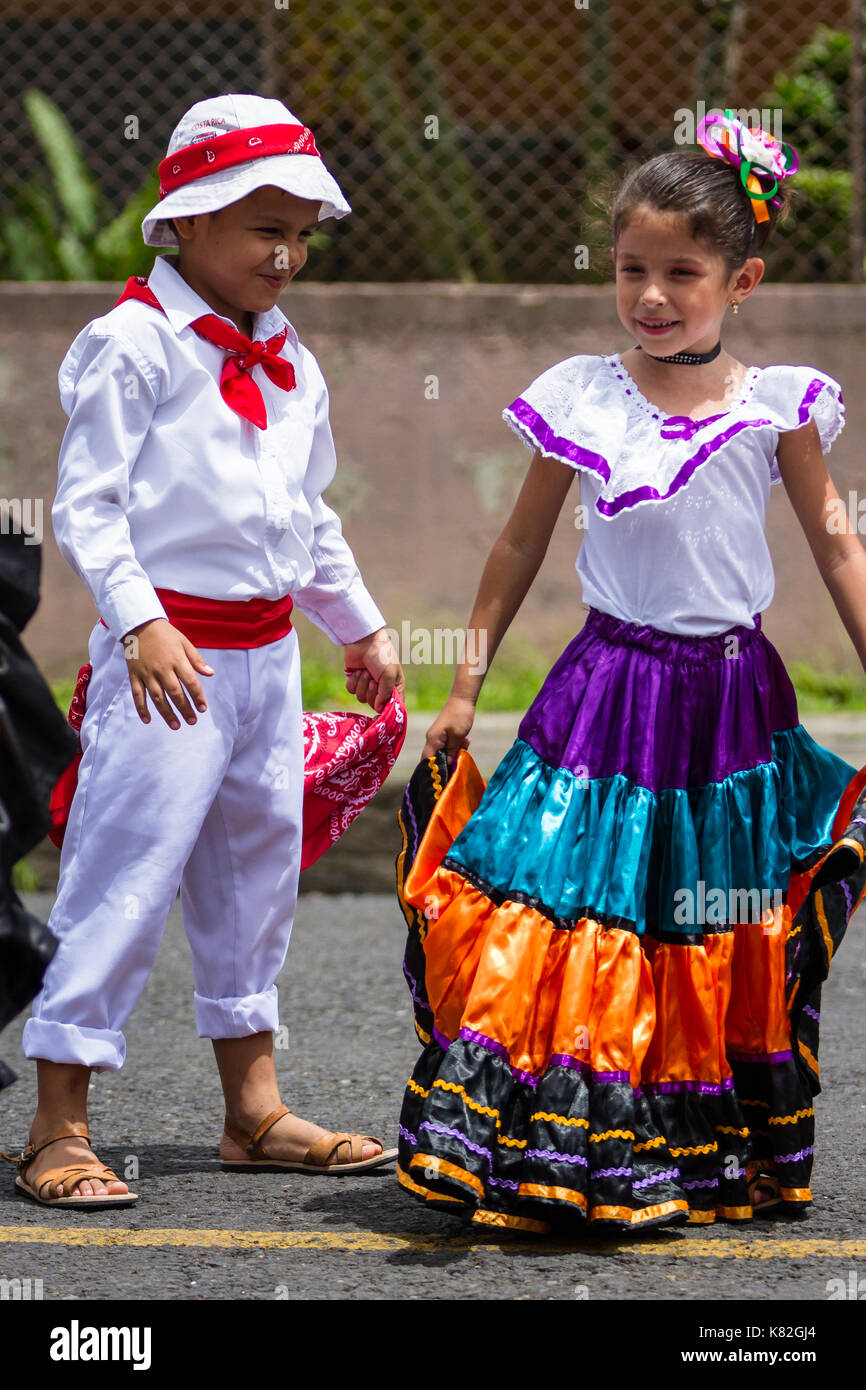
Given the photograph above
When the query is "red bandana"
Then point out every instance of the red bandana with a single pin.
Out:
(212, 153)
(237, 387)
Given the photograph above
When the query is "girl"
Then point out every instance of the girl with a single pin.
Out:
(616, 949)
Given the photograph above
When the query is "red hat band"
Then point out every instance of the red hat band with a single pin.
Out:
(210, 155)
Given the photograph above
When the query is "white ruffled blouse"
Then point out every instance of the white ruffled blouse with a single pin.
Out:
(673, 507)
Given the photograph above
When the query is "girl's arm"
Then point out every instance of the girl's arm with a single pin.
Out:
(511, 567)
(838, 553)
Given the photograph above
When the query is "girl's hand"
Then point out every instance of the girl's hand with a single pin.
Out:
(161, 663)
(373, 671)
(449, 729)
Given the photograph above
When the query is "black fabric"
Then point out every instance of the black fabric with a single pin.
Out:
(36, 745)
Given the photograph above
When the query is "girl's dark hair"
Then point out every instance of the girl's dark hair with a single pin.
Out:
(706, 193)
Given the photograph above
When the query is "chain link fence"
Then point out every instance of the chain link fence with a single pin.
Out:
(473, 140)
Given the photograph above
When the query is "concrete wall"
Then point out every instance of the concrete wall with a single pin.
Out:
(425, 484)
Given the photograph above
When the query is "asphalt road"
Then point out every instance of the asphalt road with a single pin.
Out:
(199, 1233)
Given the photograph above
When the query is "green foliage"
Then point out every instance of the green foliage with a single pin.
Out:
(814, 97)
(60, 229)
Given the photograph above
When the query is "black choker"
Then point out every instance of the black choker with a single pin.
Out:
(690, 359)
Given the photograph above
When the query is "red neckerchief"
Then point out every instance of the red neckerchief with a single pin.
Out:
(237, 387)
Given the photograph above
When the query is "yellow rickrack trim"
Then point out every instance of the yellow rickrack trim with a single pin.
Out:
(697, 1149)
(558, 1119)
(808, 1057)
(419, 1090)
(650, 1144)
(405, 1181)
(512, 1143)
(449, 1170)
(823, 924)
(424, 1037)
(796, 1194)
(732, 1129)
(764, 1103)
(515, 1223)
(794, 930)
(473, 1104)
(612, 1134)
(434, 772)
(791, 1119)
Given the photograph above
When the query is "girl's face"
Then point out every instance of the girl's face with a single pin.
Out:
(240, 258)
(671, 291)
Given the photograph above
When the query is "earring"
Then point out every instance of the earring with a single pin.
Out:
(735, 305)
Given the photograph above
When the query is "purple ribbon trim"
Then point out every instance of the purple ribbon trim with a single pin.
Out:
(535, 425)
(704, 1088)
(684, 427)
(786, 1056)
(455, 1134)
(443, 1042)
(528, 1078)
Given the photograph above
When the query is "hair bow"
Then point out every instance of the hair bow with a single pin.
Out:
(757, 154)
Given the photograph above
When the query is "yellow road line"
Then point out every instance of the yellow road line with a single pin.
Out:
(372, 1242)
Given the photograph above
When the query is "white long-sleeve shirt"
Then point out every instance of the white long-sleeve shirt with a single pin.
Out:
(162, 485)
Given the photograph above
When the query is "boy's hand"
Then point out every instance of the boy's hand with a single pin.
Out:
(161, 663)
(373, 671)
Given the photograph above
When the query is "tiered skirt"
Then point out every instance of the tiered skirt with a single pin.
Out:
(616, 947)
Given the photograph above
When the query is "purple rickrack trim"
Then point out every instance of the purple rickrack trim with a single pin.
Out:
(786, 1056)
(535, 425)
(671, 1175)
(555, 1156)
(405, 1134)
(455, 1134)
(849, 900)
(504, 1182)
(794, 1158)
(708, 1182)
(413, 988)
(813, 1013)
(704, 1088)
(613, 1173)
(857, 820)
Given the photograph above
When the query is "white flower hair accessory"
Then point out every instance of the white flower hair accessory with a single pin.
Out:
(759, 156)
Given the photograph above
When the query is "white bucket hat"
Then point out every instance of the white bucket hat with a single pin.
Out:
(228, 146)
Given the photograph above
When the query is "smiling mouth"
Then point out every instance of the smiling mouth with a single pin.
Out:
(658, 323)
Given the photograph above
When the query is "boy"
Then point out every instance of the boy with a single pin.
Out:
(189, 502)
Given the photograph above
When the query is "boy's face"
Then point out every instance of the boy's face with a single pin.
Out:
(240, 258)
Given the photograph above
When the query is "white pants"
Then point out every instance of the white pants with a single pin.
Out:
(214, 808)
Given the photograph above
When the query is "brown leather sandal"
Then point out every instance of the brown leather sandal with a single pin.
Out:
(68, 1177)
(315, 1160)
(771, 1183)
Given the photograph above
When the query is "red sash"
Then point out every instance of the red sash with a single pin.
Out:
(206, 622)
(346, 756)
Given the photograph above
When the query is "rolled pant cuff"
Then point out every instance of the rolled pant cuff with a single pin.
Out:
(237, 1018)
(99, 1048)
